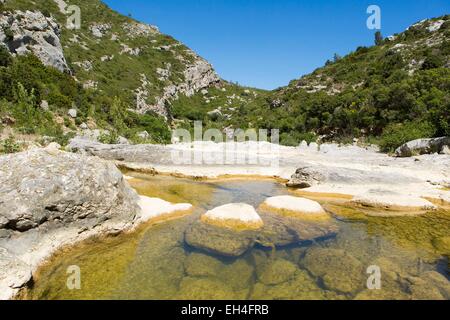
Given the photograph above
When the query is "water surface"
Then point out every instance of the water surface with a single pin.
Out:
(155, 263)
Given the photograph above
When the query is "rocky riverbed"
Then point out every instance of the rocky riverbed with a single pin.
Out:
(329, 168)
(52, 199)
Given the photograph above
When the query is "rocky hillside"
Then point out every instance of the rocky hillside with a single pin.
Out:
(398, 89)
(120, 74)
(110, 53)
(117, 80)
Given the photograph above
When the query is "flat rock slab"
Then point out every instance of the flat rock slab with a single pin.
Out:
(153, 208)
(387, 200)
(301, 208)
(235, 216)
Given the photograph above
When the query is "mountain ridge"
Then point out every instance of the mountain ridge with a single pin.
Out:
(127, 77)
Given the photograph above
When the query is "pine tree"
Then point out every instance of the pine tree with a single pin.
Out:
(378, 38)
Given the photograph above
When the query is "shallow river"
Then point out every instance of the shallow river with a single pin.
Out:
(155, 263)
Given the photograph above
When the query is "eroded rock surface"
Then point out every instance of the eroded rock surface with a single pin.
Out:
(423, 146)
(49, 199)
(32, 32)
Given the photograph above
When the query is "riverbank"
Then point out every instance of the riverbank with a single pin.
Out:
(349, 170)
(58, 199)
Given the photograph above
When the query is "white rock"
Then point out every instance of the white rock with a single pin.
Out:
(72, 113)
(53, 148)
(35, 33)
(153, 208)
(44, 105)
(240, 212)
(389, 199)
(122, 140)
(143, 135)
(436, 25)
(295, 204)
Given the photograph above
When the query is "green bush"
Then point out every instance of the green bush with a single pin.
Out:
(398, 134)
(5, 56)
(109, 137)
(10, 145)
(433, 61)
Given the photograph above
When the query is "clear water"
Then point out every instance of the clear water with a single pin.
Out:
(154, 262)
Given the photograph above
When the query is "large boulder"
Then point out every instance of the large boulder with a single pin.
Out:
(32, 32)
(228, 230)
(297, 207)
(219, 240)
(423, 146)
(41, 188)
(238, 216)
(305, 178)
(49, 199)
(338, 270)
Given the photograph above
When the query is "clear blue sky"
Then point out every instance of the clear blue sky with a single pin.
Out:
(267, 43)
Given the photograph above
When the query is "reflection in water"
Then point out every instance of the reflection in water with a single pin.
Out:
(155, 263)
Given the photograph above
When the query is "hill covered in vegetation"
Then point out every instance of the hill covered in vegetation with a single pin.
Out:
(126, 77)
(395, 91)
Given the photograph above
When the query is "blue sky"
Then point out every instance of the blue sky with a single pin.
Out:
(267, 43)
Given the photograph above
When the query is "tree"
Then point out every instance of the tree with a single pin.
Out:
(336, 57)
(432, 61)
(5, 56)
(378, 38)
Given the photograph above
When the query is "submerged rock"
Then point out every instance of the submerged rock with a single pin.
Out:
(202, 265)
(238, 274)
(219, 240)
(283, 231)
(276, 272)
(338, 270)
(442, 245)
(205, 289)
(300, 287)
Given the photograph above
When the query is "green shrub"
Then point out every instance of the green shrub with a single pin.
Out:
(108, 137)
(433, 61)
(10, 145)
(398, 134)
(5, 56)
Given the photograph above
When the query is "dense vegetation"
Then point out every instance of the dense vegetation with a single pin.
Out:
(395, 91)
(377, 94)
(25, 82)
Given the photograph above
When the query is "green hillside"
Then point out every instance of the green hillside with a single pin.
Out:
(127, 77)
(393, 92)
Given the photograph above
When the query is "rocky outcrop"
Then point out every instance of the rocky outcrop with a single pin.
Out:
(305, 178)
(197, 76)
(32, 32)
(423, 146)
(49, 199)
